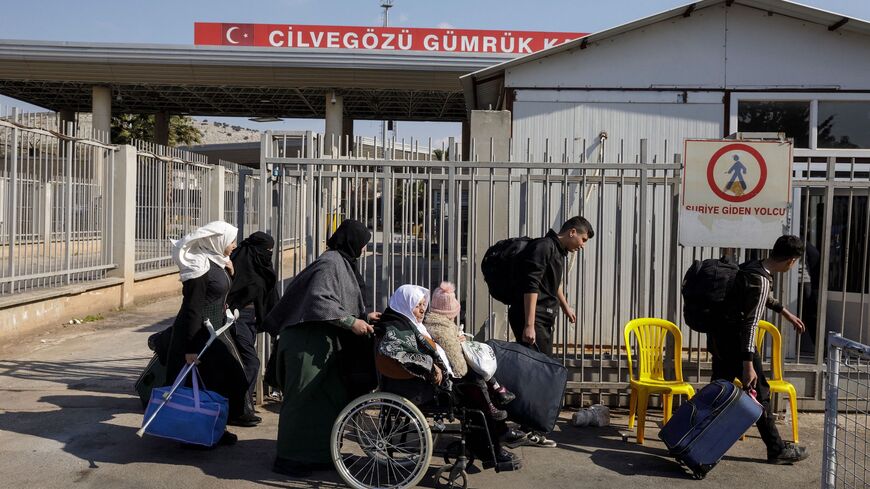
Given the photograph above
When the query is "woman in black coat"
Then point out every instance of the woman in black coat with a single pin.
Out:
(205, 270)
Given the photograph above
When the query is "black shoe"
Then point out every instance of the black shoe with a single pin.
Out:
(505, 461)
(502, 396)
(496, 413)
(789, 454)
(245, 421)
(228, 439)
(514, 438)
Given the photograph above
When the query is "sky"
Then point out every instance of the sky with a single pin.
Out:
(171, 22)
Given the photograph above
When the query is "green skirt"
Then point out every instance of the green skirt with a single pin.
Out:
(314, 394)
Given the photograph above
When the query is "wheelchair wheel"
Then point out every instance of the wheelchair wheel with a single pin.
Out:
(448, 478)
(381, 440)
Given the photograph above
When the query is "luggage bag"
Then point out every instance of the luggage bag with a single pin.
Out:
(537, 380)
(705, 427)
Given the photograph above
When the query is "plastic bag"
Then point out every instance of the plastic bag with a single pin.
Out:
(480, 358)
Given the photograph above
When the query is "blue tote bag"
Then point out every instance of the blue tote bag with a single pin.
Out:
(191, 415)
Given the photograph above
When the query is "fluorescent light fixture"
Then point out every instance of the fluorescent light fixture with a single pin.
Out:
(265, 119)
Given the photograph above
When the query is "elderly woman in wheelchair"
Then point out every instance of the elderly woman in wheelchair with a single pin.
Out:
(383, 439)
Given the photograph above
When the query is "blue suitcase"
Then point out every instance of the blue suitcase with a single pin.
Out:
(706, 426)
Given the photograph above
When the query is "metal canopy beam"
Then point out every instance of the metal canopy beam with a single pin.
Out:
(234, 101)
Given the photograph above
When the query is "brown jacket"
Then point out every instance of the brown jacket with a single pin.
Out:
(445, 333)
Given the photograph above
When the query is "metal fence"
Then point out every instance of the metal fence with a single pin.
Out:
(231, 192)
(433, 220)
(55, 203)
(172, 199)
(845, 459)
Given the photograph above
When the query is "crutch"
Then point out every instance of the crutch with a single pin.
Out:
(231, 316)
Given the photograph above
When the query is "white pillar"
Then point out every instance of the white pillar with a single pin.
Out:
(124, 221)
(101, 108)
(491, 132)
(216, 193)
(334, 124)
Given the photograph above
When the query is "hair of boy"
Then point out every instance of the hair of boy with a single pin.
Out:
(787, 247)
(579, 224)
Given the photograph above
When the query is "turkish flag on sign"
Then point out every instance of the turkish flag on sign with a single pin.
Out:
(238, 35)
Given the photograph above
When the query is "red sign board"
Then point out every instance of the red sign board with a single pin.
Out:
(381, 38)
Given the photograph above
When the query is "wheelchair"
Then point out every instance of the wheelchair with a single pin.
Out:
(384, 440)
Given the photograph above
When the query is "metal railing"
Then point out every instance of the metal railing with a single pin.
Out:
(55, 203)
(172, 199)
(845, 459)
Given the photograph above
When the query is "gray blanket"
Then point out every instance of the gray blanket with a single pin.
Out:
(323, 291)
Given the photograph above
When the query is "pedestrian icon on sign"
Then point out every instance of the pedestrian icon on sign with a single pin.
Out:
(737, 185)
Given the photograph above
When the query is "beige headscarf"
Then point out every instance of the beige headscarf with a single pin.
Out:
(193, 252)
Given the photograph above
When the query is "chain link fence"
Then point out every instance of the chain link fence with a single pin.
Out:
(847, 412)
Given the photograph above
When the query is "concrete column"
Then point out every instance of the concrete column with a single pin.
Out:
(334, 124)
(161, 128)
(124, 221)
(66, 116)
(101, 108)
(216, 194)
(491, 132)
(347, 136)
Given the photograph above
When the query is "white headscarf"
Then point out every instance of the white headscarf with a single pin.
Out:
(193, 252)
(403, 301)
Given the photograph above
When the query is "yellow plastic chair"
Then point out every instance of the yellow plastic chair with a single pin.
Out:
(651, 334)
(777, 384)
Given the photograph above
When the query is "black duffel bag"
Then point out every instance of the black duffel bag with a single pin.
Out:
(537, 380)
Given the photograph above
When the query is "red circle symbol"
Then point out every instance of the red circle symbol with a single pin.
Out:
(762, 178)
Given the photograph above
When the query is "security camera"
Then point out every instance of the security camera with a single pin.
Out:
(332, 100)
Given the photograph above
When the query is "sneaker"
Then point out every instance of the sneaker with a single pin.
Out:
(496, 413)
(513, 438)
(539, 440)
(789, 454)
(502, 396)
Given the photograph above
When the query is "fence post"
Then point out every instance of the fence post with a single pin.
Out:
(217, 177)
(642, 303)
(829, 458)
(13, 199)
(124, 221)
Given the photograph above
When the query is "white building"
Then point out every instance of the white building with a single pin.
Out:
(707, 70)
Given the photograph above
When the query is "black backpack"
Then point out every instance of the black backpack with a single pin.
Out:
(706, 289)
(498, 268)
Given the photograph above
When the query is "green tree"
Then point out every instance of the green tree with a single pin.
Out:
(127, 127)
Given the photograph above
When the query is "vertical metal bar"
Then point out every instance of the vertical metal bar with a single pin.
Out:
(69, 205)
(451, 220)
(642, 225)
(829, 460)
(826, 258)
(12, 203)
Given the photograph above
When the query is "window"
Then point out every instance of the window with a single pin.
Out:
(844, 125)
(852, 228)
(792, 118)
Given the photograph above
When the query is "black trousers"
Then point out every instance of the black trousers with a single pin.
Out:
(245, 334)
(545, 318)
(728, 368)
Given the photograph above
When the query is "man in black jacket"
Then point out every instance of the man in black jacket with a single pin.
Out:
(539, 276)
(733, 344)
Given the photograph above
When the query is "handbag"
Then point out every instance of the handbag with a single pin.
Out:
(191, 415)
(480, 357)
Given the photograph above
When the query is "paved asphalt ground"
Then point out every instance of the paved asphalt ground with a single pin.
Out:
(68, 417)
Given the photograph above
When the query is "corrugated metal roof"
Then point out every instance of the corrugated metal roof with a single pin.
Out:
(781, 7)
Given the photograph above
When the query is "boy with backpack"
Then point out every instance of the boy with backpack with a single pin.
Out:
(533, 269)
(732, 340)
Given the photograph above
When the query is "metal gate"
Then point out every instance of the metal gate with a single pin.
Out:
(433, 219)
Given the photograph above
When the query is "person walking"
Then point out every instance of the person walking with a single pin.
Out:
(538, 276)
(205, 269)
(733, 343)
(321, 303)
(254, 293)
